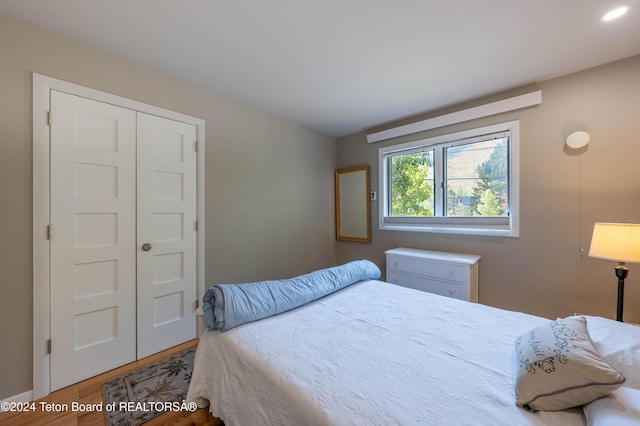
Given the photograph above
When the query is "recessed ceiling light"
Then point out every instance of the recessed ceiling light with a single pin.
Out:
(615, 13)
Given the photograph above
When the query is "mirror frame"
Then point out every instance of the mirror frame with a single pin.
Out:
(354, 208)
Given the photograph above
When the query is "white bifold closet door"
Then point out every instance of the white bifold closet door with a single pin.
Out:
(167, 222)
(123, 237)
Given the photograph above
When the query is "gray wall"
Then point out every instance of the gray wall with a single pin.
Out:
(562, 194)
(269, 182)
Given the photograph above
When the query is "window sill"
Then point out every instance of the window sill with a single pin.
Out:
(498, 231)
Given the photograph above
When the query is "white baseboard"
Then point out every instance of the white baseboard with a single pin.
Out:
(22, 397)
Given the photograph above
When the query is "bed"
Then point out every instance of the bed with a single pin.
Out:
(372, 353)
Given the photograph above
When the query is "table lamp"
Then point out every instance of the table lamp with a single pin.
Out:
(619, 242)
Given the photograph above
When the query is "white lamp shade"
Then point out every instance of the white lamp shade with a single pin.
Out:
(616, 241)
(578, 139)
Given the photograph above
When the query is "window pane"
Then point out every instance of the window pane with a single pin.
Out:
(411, 184)
(477, 179)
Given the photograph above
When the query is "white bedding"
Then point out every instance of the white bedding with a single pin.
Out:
(370, 354)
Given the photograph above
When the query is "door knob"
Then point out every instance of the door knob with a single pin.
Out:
(146, 247)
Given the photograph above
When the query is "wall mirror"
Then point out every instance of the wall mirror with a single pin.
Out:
(352, 204)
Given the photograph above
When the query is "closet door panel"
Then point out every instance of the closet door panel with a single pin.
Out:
(166, 233)
(93, 270)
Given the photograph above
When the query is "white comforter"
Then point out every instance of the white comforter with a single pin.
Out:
(370, 354)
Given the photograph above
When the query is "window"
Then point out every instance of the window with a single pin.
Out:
(466, 183)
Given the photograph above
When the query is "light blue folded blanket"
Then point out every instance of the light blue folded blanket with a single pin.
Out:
(228, 305)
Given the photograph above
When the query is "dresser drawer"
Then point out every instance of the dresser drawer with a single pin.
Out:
(443, 271)
(456, 291)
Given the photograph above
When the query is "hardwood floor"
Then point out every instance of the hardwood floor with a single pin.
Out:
(90, 392)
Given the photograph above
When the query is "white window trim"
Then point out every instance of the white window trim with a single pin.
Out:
(504, 227)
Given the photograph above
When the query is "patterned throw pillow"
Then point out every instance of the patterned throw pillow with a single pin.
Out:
(558, 367)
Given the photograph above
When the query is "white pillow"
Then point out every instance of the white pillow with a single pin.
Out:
(619, 344)
(559, 368)
(620, 408)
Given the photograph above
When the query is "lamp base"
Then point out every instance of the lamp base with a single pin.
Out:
(621, 272)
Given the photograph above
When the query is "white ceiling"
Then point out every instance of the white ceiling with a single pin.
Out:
(342, 66)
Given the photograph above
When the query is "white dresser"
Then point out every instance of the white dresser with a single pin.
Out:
(448, 274)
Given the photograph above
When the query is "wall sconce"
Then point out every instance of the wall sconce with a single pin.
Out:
(578, 139)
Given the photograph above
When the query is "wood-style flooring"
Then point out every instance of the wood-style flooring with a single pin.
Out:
(90, 392)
